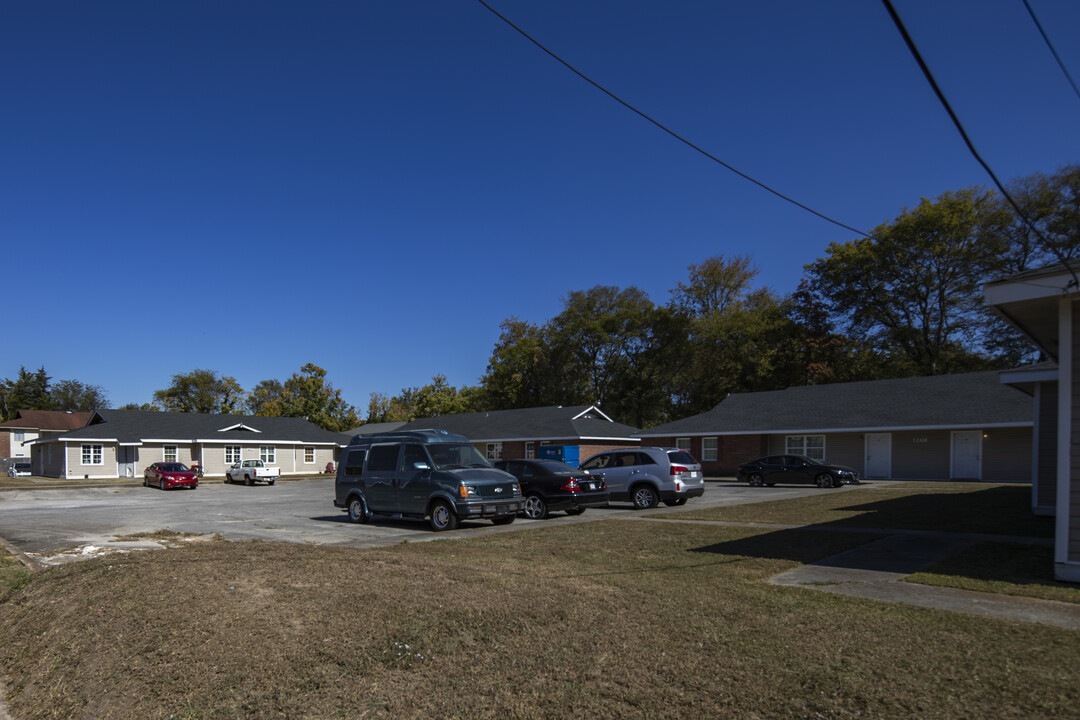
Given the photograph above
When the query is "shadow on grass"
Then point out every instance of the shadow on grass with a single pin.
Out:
(999, 510)
(1022, 555)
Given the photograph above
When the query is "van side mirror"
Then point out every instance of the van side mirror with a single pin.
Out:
(420, 466)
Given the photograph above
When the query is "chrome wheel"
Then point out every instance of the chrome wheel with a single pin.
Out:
(443, 517)
(645, 498)
(356, 510)
(535, 508)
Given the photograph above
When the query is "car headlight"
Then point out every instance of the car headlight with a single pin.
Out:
(468, 491)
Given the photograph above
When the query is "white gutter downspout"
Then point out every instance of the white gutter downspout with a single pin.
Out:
(1063, 569)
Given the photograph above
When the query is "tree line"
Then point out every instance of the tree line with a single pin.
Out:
(904, 301)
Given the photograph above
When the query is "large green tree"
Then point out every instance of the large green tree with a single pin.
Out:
(75, 396)
(912, 289)
(201, 391)
(307, 394)
(28, 391)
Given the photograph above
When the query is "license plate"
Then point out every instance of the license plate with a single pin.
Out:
(590, 486)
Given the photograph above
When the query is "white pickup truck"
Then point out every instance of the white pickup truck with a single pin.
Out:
(251, 471)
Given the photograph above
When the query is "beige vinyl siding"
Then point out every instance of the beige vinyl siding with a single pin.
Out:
(921, 454)
(1045, 491)
(1006, 455)
(846, 449)
(75, 468)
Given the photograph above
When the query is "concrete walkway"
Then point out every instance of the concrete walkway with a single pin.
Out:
(876, 571)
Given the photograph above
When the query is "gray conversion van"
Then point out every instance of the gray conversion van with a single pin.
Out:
(431, 474)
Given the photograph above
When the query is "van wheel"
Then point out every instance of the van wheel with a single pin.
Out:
(356, 511)
(443, 517)
(645, 498)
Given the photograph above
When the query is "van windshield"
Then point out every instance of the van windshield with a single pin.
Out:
(450, 456)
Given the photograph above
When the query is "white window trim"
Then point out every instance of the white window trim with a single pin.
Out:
(165, 453)
(235, 457)
(715, 449)
(268, 453)
(494, 451)
(312, 460)
(100, 455)
(789, 451)
(683, 443)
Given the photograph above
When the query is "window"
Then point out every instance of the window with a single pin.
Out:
(266, 453)
(413, 454)
(494, 451)
(530, 451)
(309, 456)
(18, 436)
(812, 446)
(683, 444)
(354, 463)
(91, 455)
(232, 454)
(708, 449)
(383, 457)
(170, 453)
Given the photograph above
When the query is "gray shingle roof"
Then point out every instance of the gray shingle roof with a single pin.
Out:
(543, 423)
(132, 426)
(941, 401)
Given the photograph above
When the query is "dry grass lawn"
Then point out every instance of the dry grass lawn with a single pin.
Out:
(610, 619)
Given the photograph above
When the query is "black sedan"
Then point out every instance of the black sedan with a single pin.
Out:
(549, 485)
(795, 469)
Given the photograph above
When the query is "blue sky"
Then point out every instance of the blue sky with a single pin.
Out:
(373, 187)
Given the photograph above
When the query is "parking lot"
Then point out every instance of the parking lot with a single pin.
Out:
(44, 522)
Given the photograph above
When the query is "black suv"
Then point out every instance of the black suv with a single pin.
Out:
(430, 474)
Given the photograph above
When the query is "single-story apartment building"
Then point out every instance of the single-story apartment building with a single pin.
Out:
(965, 426)
(1044, 304)
(122, 443)
(519, 434)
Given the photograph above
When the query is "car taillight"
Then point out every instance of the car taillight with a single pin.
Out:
(571, 485)
(676, 469)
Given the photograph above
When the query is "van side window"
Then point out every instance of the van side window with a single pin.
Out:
(413, 454)
(644, 459)
(597, 463)
(354, 463)
(382, 457)
(626, 459)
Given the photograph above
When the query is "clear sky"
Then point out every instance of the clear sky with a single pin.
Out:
(373, 187)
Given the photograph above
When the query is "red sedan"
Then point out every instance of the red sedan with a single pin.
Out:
(168, 475)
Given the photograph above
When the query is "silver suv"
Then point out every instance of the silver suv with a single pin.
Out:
(648, 475)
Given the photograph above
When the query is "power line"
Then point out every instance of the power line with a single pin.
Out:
(666, 129)
(1050, 45)
(967, 140)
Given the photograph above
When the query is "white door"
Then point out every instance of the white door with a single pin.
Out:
(966, 455)
(878, 455)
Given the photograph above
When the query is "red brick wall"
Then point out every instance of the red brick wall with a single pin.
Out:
(731, 451)
(5, 443)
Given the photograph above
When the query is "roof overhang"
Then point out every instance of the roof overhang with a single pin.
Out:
(1029, 301)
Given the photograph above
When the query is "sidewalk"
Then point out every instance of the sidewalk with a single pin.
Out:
(876, 571)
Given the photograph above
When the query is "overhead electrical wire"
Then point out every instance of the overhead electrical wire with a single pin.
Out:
(967, 140)
(666, 129)
(1053, 50)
